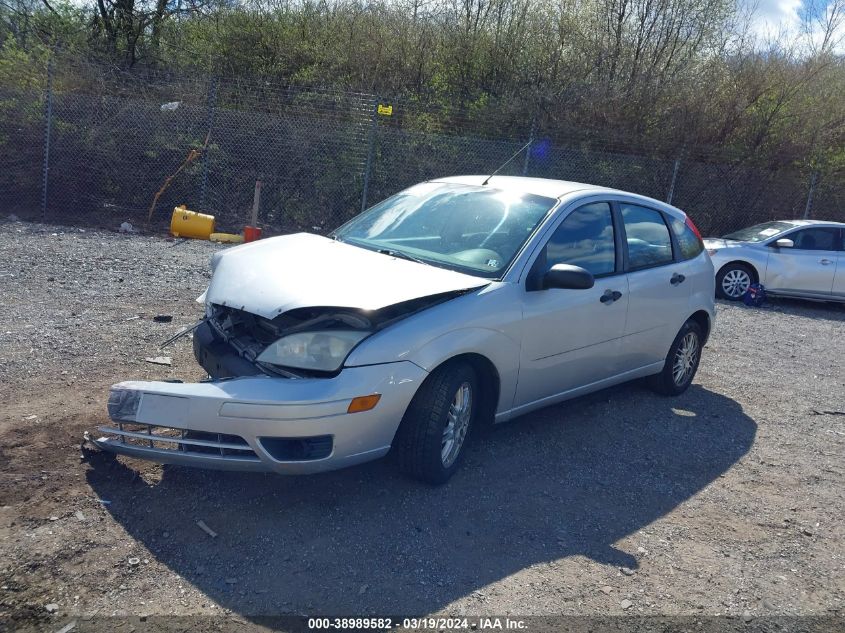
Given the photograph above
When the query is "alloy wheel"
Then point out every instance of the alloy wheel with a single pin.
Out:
(457, 424)
(736, 282)
(685, 359)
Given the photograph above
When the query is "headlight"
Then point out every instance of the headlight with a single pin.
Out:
(324, 350)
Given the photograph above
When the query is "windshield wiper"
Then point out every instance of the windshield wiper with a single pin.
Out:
(401, 255)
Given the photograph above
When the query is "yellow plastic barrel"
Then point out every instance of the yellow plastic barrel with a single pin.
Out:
(185, 223)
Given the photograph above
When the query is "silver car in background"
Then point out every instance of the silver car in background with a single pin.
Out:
(456, 302)
(793, 258)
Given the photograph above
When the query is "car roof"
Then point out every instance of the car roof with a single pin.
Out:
(811, 222)
(538, 186)
(558, 189)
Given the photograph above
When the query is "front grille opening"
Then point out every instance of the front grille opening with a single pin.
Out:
(165, 438)
(298, 449)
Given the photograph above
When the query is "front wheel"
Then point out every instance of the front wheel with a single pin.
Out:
(681, 362)
(733, 280)
(433, 433)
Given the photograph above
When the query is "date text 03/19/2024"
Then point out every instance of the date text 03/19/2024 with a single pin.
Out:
(422, 623)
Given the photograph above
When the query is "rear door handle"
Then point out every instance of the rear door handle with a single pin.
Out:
(610, 296)
(825, 262)
(677, 278)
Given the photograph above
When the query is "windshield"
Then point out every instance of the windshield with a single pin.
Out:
(759, 232)
(473, 229)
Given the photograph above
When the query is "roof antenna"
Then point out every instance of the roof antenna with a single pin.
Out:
(505, 164)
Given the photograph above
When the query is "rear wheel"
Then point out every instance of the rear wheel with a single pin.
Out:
(681, 362)
(733, 280)
(432, 436)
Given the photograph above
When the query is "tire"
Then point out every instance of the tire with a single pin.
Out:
(733, 280)
(673, 379)
(421, 441)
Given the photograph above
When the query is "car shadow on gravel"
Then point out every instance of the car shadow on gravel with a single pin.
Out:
(568, 480)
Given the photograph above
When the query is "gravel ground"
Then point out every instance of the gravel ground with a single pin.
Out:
(727, 500)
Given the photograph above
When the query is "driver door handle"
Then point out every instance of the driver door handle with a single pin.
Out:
(676, 279)
(610, 296)
(825, 262)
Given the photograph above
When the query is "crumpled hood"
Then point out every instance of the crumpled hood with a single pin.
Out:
(272, 276)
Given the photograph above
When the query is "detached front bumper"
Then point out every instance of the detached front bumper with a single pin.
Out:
(261, 423)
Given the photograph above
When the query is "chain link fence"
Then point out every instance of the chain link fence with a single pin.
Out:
(22, 134)
(100, 147)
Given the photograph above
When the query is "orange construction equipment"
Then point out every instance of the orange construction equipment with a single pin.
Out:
(252, 233)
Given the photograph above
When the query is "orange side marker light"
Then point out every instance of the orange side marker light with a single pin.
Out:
(363, 403)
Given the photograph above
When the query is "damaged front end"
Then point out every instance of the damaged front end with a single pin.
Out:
(260, 416)
(274, 345)
(301, 343)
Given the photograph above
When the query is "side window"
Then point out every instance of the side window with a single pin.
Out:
(585, 238)
(817, 239)
(688, 241)
(649, 243)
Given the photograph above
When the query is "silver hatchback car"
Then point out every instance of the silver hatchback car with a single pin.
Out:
(793, 258)
(456, 302)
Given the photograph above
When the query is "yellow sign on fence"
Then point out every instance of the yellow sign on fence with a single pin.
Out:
(386, 110)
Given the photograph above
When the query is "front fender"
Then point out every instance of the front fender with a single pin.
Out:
(754, 258)
(501, 351)
(433, 337)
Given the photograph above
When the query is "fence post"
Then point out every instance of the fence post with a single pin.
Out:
(528, 149)
(211, 106)
(671, 193)
(370, 150)
(808, 208)
(48, 126)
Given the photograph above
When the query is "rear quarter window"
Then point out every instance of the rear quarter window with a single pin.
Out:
(688, 241)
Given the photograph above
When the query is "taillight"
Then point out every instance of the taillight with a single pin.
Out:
(694, 229)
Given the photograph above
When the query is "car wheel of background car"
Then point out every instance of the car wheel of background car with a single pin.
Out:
(432, 436)
(733, 280)
(681, 362)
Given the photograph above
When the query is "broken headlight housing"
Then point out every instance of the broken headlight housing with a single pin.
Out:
(323, 350)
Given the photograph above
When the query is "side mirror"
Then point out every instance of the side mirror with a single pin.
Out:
(568, 277)
(785, 242)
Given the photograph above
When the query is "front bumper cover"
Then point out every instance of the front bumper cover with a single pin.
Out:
(240, 423)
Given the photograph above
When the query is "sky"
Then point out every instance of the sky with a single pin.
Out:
(772, 15)
(787, 17)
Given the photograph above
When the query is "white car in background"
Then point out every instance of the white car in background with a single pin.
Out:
(793, 258)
